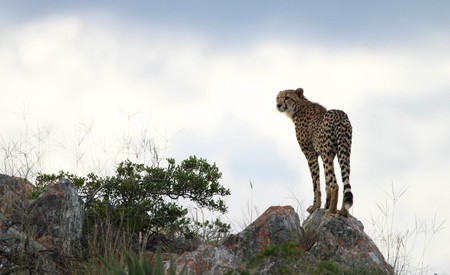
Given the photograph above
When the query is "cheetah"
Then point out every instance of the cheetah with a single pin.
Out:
(324, 133)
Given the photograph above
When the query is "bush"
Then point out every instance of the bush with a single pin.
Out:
(141, 198)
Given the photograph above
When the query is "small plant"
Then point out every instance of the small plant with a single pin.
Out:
(285, 256)
(138, 266)
(208, 230)
(326, 268)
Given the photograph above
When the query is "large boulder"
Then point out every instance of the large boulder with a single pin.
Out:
(342, 240)
(14, 243)
(14, 184)
(207, 259)
(277, 225)
(43, 231)
(57, 217)
(13, 202)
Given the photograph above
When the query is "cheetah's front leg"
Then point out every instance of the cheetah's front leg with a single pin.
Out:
(313, 164)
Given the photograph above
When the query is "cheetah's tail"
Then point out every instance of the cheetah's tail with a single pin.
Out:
(344, 140)
(348, 196)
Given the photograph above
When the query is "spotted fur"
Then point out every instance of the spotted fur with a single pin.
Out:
(326, 134)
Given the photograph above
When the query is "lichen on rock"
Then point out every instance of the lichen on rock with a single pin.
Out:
(342, 240)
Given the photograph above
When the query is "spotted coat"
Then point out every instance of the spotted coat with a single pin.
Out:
(324, 133)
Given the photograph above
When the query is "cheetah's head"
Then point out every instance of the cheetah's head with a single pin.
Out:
(287, 100)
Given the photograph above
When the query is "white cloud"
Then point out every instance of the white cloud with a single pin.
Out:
(220, 103)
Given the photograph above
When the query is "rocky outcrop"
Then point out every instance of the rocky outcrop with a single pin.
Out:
(207, 259)
(13, 205)
(277, 225)
(14, 184)
(39, 234)
(342, 240)
(330, 238)
(56, 217)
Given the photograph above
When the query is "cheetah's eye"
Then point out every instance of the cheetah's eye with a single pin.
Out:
(286, 98)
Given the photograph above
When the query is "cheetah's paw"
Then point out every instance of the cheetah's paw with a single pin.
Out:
(312, 208)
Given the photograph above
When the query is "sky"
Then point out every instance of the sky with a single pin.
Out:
(87, 84)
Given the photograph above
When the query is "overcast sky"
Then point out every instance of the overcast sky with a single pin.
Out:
(87, 81)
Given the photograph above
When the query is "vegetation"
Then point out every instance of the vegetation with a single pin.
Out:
(285, 257)
(140, 198)
(138, 266)
(139, 207)
(399, 245)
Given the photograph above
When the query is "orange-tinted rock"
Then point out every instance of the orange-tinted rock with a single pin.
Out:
(277, 225)
(342, 240)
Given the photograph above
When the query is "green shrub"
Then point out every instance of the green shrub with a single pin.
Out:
(141, 198)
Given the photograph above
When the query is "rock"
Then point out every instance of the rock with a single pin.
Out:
(207, 259)
(15, 184)
(277, 225)
(13, 200)
(14, 242)
(37, 235)
(181, 244)
(39, 231)
(57, 217)
(342, 240)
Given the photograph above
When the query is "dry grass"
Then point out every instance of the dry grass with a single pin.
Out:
(405, 249)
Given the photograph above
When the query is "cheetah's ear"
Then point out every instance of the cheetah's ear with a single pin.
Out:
(299, 92)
